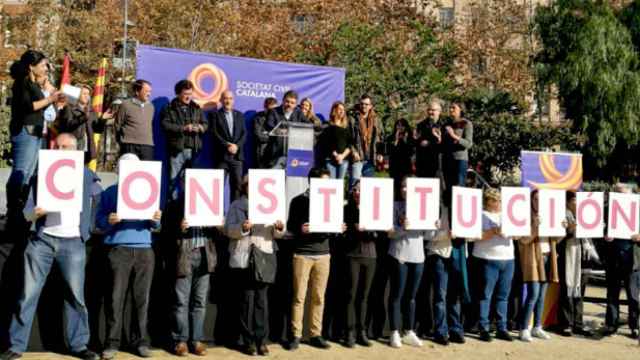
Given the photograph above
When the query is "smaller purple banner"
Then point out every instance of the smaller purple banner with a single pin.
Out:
(299, 162)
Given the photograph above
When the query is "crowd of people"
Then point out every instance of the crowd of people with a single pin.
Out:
(439, 287)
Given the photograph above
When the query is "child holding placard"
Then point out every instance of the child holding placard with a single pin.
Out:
(495, 258)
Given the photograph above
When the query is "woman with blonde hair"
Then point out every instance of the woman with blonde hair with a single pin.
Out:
(335, 142)
(495, 256)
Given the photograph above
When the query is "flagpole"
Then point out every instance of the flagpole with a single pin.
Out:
(124, 47)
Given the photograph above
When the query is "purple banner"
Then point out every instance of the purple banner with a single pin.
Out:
(299, 162)
(251, 81)
(547, 170)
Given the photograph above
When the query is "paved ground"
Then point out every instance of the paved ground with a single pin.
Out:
(618, 347)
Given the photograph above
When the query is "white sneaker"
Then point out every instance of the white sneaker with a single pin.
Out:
(525, 335)
(410, 338)
(395, 339)
(539, 333)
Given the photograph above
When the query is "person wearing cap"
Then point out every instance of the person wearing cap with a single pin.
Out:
(131, 262)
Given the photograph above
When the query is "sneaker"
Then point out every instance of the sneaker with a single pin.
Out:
(395, 340)
(539, 333)
(143, 351)
(10, 355)
(525, 335)
(410, 338)
(503, 335)
(485, 336)
(362, 339)
(109, 354)
(319, 342)
(181, 349)
(294, 344)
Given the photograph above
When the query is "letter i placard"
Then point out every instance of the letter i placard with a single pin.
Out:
(60, 180)
(589, 215)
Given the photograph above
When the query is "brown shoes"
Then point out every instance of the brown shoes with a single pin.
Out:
(263, 350)
(199, 349)
(181, 349)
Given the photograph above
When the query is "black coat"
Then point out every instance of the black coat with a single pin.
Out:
(82, 124)
(276, 147)
(173, 120)
(222, 137)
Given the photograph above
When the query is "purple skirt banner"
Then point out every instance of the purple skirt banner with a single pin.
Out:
(549, 170)
(250, 80)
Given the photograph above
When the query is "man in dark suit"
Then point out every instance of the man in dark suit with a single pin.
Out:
(229, 135)
(276, 152)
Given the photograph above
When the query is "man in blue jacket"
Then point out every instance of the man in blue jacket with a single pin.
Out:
(130, 257)
(59, 239)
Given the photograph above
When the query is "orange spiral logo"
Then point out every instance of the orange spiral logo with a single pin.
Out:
(208, 99)
(570, 180)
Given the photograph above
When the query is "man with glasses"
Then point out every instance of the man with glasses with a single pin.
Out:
(288, 111)
(367, 134)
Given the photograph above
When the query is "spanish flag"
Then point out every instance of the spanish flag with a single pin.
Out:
(97, 105)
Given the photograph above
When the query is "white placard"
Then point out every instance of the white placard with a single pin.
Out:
(552, 212)
(515, 211)
(60, 180)
(138, 189)
(376, 204)
(326, 199)
(467, 213)
(423, 203)
(267, 196)
(623, 215)
(589, 215)
(72, 93)
(204, 197)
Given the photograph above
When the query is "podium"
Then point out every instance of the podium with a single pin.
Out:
(298, 141)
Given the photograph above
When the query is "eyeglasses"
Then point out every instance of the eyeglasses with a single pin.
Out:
(365, 104)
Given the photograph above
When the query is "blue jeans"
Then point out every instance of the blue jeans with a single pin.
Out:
(39, 256)
(534, 303)
(405, 281)
(338, 171)
(447, 296)
(496, 278)
(177, 166)
(360, 169)
(24, 153)
(191, 294)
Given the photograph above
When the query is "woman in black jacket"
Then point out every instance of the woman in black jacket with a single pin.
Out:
(361, 252)
(400, 148)
(27, 124)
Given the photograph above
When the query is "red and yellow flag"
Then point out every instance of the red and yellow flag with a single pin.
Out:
(98, 89)
(65, 78)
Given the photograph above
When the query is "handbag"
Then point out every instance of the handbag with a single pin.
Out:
(263, 265)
